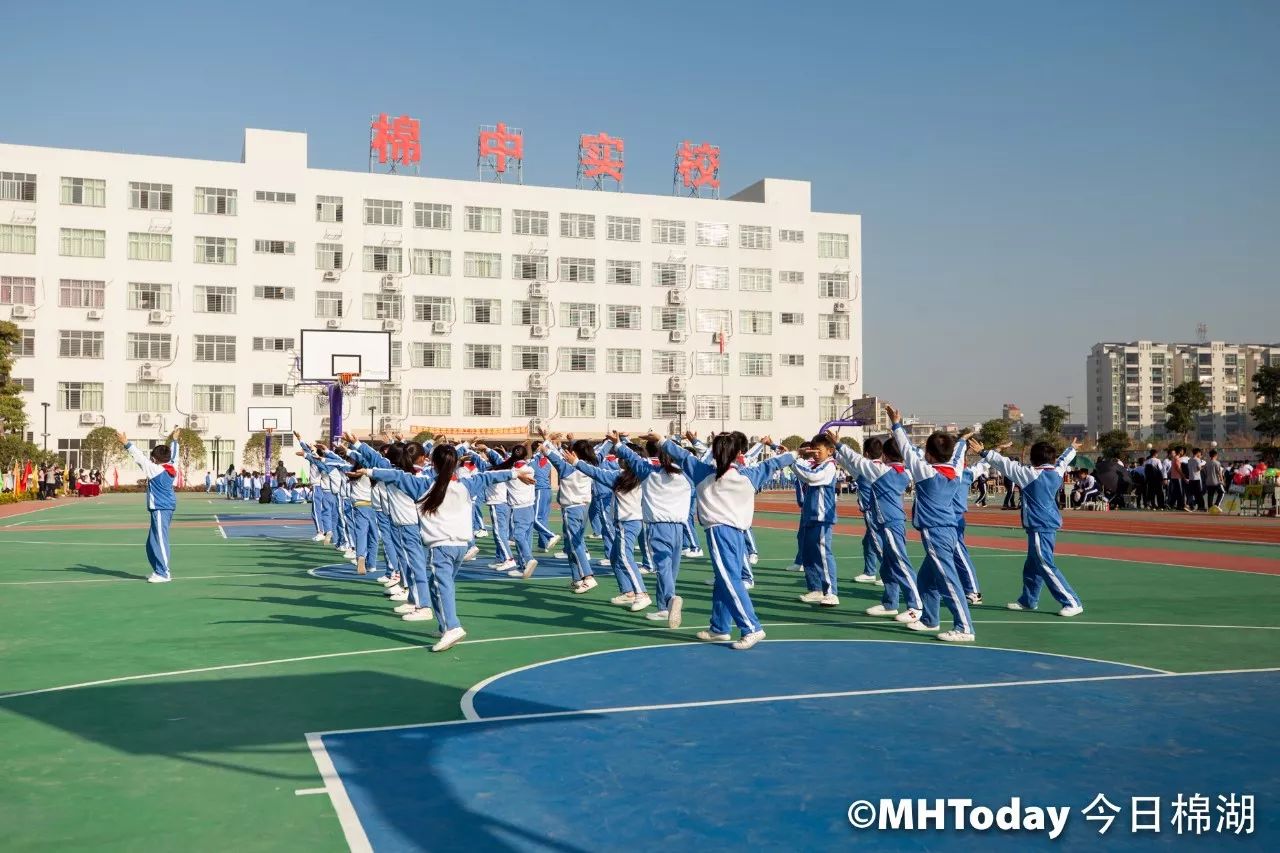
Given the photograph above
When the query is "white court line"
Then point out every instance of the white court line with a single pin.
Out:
(218, 522)
(303, 792)
(139, 578)
(357, 841)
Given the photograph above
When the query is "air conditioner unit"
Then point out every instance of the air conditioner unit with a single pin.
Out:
(842, 389)
(675, 297)
(840, 307)
(537, 290)
(538, 331)
(586, 333)
(386, 424)
(148, 373)
(391, 284)
(675, 384)
(333, 323)
(390, 325)
(22, 312)
(677, 336)
(88, 419)
(199, 423)
(156, 316)
(330, 275)
(93, 314)
(537, 382)
(439, 327)
(147, 419)
(720, 338)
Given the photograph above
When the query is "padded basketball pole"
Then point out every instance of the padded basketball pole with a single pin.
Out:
(335, 412)
(266, 468)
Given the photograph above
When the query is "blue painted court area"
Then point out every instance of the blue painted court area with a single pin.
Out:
(736, 761)
(294, 526)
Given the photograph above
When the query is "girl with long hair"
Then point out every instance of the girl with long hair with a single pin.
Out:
(574, 496)
(522, 511)
(624, 506)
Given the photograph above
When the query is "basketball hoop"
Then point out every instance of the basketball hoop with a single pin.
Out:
(347, 381)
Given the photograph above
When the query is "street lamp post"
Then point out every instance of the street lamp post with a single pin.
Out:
(45, 434)
(372, 409)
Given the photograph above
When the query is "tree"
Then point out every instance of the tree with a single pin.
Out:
(1114, 443)
(14, 450)
(851, 443)
(101, 448)
(191, 450)
(1185, 402)
(1266, 415)
(13, 415)
(424, 437)
(994, 432)
(791, 442)
(1052, 418)
(255, 451)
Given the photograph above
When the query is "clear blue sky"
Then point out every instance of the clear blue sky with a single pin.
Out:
(1033, 177)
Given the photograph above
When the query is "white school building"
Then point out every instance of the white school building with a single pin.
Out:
(157, 291)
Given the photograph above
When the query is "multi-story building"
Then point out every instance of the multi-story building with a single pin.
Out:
(1129, 385)
(154, 290)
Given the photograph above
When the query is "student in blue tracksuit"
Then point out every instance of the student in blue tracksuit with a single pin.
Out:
(726, 507)
(664, 500)
(600, 510)
(574, 497)
(161, 500)
(364, 520)
(485, 459)
(873, 449)
(797, 565)
(817, 518)
(964, 563)
(520, 512)
(1040, 482)
(937, 477)
(624, 504)
(547, 539)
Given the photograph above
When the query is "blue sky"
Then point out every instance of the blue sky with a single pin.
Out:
(1033, 177)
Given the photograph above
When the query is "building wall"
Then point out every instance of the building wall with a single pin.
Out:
(276, 162)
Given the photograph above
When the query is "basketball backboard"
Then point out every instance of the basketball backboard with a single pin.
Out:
(325, 353)
(278, 418)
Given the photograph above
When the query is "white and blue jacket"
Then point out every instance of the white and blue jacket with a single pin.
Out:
(936, 485)
(730, 500)
(1040, 487)
(666, 494)
(819, 502)
(160, 477)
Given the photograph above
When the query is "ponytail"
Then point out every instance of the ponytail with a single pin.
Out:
(444, 458)
(724, 450)
(627, 480)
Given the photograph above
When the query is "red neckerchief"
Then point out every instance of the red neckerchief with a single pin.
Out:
(897, 466)
(543, 461)
(946, 471)
(609, 457)
(172, 472)
(518, 465)
(468, 464)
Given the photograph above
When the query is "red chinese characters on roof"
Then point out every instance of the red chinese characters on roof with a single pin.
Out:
(503, 145)
(698, 165)
(397, 140)
(601, 156)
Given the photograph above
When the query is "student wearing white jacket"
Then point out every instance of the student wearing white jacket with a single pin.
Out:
(624, 507)
(574, 496)
(522, 513)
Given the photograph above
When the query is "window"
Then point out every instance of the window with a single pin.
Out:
(578, 269)
(17, 290)
(755, 408)
(379, 211)
(216, 200)
(212, 299)
(529, 267)
(147, 397)
(578, 225)
(430, 402)
(329, 256)
(668, 405)
(79, 293)
(622, 272)
(577, 359)
(790, 235)
(755, 237)
(622, 361)
(713, 319)
(482, 264)
(272, 389)
(215, 348)
(531, 222)
(213, 399)
(18, 239)
(755, 364)
(273, 247)
(791, 318)
(482, 404)
(82, 243)
(273, 292)
(484, 357)
(147, 196)
(790, 277)
(145, 246)
(711, 234)
(430, 355)
(668, 231)
(77, 396)
(668, 319)
(833, 285)
(484, 311)
(397, 355)
(86, 192)
(833, 327)
(623, 317)
(432, 262)
(485, 219)
(26, 345)
(791, 359)
(755, 279)
(17, 186)
(833, 245)
(428, 309)
(576, 404)
(711, 278)
(439, 216)
(672, 362)
(622, 406)
(712, 407)
(790, 401)
(147, 346)
(77, 344)
(578, 314)
(529, 358)
(275, 197)
(383, 306)
(711, 363)
(530, 313)
(755, 322)
(383, 259)
(388, 399)
(622, 228)
(669, 275)
(829, 408)
(215, 250)
(328, 208)
(272, 344)
(528, 404)
(833, 367)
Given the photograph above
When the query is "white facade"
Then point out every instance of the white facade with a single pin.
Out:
(210, 325)
(1130, 383)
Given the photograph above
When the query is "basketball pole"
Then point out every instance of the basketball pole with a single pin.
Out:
(335, 412)
(266, 468)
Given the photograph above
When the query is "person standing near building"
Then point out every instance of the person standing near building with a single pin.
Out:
(1153, 475)
(1213, 477)
(1177, 477)
(161, 500)
(1195, 485)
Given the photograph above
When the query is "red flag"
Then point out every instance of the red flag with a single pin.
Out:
(720, 337)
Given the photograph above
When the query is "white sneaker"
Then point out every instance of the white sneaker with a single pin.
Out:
(880, 610)
(594, 536)
(812, 597)
(829, 600)
(158, 578)
(586, 584)
(504, 566)
(471, 554)
(350, 554)
(920, 626)
(974, 597)
(529, 568)
(749, 584)
(695, 553)
(753, 558)
(644, 570)
(794, 567)
(420, 614)
(677, 607)
(387, 580)
(1013, 605)
(402, 595)
(708, 637)
(955, 637)
(319, 537)
(865, 579)
(686, 552)
(480, 534)
(1071, 611)
(909, 615)
(393, 589)
(623, 599)
(407, 607)
(602, 562)
(449, 639)
(352, 561)
(551, 543)
(642, 601)
(560, 555)
(658, 616)
(749, 640)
